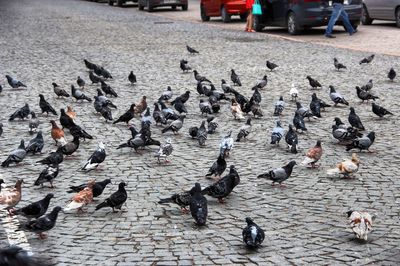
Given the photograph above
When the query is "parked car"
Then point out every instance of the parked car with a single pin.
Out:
(222, 8)
(151, 4)
(120, 2)
(297, 15)
(383, 10)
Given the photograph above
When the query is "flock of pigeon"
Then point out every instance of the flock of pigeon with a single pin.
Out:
(170, 112)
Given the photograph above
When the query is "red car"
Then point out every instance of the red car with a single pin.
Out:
(222, 8)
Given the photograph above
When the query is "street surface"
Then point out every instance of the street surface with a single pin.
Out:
(45, 41)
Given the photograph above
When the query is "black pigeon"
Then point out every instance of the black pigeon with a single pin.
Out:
(279, 106)
(81, 83)
(363, 143)
(93, 78)
(244, 130)
(65, 120)
(183, 200)
(45, 106)
(14, 83)
(21, 113)
(158, 116)
(198, 206)
(35, 209)
(36, 144)
(182, 98)
(16, 256)
(223, 187)
(184, 65)
(175, 125)
(379, 110)
(336, 97)
(97, 70)
(338, 65)
(235, 78)
(44, 223)
(54, 158)
(199, 77)
(367, 60)
(298, 122)
(116, 200)
(392, 74)
(355, 120)
(1, 129)
(271, 66)
(88, 64)
(218, 167)
(278, 175)
(105, 112)
(1, 182)
(135, 142)
(97, 190)
(127, 116)
(47, 175)
(78, 94)
(344, 134)
(132, 78)
(77, 131)
(1, 88)
(303, 111)
(226, 87)
(365, 95)
(70, 147)
(193, 132)
(16, 156)
(58, 91)
(315, 105)
(191, 50)
(253, 235)
(292, 140)
(256, 95)
(180, 106)
(215, 106)
(97, 157)
(240, 99)
(106, 74)
(211, 125)
(205, 107)
(107, 89)
(314, 83)
(168, 113)
(202, 134)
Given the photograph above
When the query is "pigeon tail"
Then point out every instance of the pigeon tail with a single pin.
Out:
(307, 161)
(333, 171)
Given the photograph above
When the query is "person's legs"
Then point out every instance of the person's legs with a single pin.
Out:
(337, 9)
(346, 22)
(248, 20)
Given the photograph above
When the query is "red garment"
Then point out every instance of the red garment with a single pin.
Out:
(249, 4)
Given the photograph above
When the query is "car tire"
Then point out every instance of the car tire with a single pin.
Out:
(173, 7)
(185, 7)
(398, 17)
(365, 18)
(110, 2)
(224, 15)
(140, 7)
(292, 24)
(148, 6)
(120, 3)
(257, 26)
(203, 14)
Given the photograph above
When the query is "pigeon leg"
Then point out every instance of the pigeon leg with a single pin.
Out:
(221, 201)
(51, 184)
(167, 161)
(184, 210)
(42, 236)
(282, 186)
(273, 184)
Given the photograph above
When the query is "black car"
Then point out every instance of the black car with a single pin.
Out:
(120, 2)
(151, 4)
(297, 15)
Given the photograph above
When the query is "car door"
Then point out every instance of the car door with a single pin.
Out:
(388, 9)
(215, 7)
(279, 9)
(373, 8)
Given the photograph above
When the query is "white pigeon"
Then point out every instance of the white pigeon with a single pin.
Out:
(294, 93)
(97, 158)
(226, 144)
(361, 223)
(164, 151)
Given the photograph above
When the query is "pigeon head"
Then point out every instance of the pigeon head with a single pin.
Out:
(99, 92)
(354, 158)
(371, 136)
(91, 183)
(248, 122)
(308, 77)
(39, 134)
(107, 181)
(249, 221)
(314, 96)
(22, 144)
(278, 123)
(349, 213)
(223, 81)
(169, 88)
(196, 188)
(281, 98)
(352, 111)
(41, 96)
(49, 196)
(101, 145)
(332, 89)
(290, 128)
(8, 77)
(195, 72)
(1, 181)
(122, 185)
(55, 211)
(62, 110)
(335, 59)
(133, 106)
(298, 105)
(33, 115)
(318, 143)
(187, 92)
(338, 121)
(233, 71)
(19, 184)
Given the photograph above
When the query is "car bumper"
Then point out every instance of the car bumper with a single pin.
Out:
(236, 7)
(168, 3)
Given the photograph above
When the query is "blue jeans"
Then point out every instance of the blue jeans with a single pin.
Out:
(338, 10)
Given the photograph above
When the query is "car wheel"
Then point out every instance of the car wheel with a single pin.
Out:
(225, 16)
(120, 3)
(398, 17)
(173, 7)
(365, 18)
(292, 24)
(257, 26)
(110, 2)
(148, 6)
(140, 7)
(185, 7)
(203, 14)
(243, 17)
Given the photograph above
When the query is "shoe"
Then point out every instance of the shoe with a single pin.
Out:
(355, 31)
(252, 30)
(330, 36)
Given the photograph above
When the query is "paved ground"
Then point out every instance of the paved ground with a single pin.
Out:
(45, 41)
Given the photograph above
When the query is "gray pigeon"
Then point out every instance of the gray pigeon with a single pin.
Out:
(16, 156)
(43, 224)
(202, 134)
(279, 106)
(277, 133)
(363, 143)
(253, 235)
(36, 144)
(33, 123)
(175, 126)
(278, 175)
(244, 130)
(164, 151)
(14, 83)
(336, 97)
(21, 113)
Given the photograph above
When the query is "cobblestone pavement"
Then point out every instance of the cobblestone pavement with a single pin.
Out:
(45, 41)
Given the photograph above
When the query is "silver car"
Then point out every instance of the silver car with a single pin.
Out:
(382, 9)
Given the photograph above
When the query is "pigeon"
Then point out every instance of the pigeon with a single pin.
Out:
(1, 182)
(107, 89)
(35, 209)
(361, 223)
(57, 133)
(278, 175)
(17, 256)
(277, 133)
(244, 130)
(78, 94)
(105, 73)
(16, 156)
(392, 74)
(363, 143)
(98, 156)
(379, 110)
(33, 123)
(21, 113)
(338, 65)
(82, 198)
(294, 93)
(344, 134)
(70, 147)
(253, 235)
(45, 106)
(166, 95)
(97, 190)
(1, 88)
(202, 134)
(193, 132)
(104, 100)
(81, 83)
(106, 113)
(271, 66)
(175, 126)
(235, 78)
(9, 198)
(304, 112)
(65, 120)
(93, 78)
(43, 224)
(346, 168)
(279, 106)
(368, 86)
(54, 158)
(198, 206)
(292, 140)
(141, 106)
(146, 117)
(182, 199)
(298, 122)
(88, 64)
(367, 60)
(14, 83)
(158, 115)
(205, 107)
(36, 144)
(240, 99)
(314, 83)
(77, 131)
(336, 97)
(47, 175)
(224, 186)
(236, 110)
(315, 106)
(180, 106)
(191, 50)
(70, 112)
(313, 155)
(355, 120)
(256, 96)
(1, 129)
(184, 65)
(164, 151)
(218, 167)
(58, 91)
(365, 95)
(116, 200)
(226, 88)
(132, 78)
(182, 98)
(256, 110)
(211, 125)
(226, 144)
(135, 142)
(215, 106)
(200, 78)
